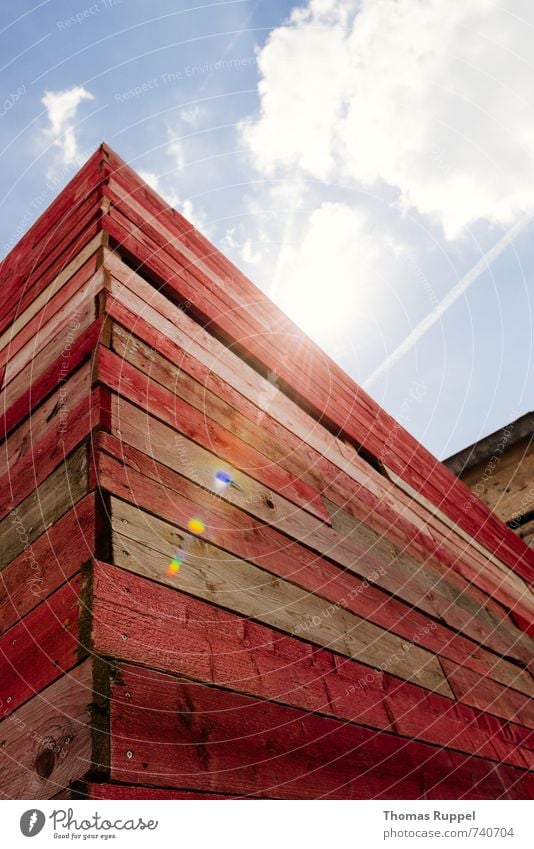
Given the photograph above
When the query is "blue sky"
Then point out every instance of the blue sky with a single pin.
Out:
(368, 163)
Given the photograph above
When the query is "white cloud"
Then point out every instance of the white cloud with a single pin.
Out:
(192, 115)
(61, 107)
(431, 98)
(176, 151)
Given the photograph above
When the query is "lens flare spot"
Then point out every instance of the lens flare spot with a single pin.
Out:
(174, 566)
(222, 478)
(196, 526)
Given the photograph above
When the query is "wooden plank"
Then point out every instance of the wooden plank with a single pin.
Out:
(49, 380)
(33, 468)
(131, 383)
(484, 694)
(348, 543)
(413, 462)
(21, 441)
(59, 347)
(53, 558)
(506, 489)
(41, 647)
(192, 638)
(145, 545)
(169, 732)
(64, 286)
(472, 608)
(68, 318)
(175, 499)
(30, 288)
(46, 744)
(388, 612)
(21, 258)
(50, 258)
(485, 570)
(57, 494)
(180, 338)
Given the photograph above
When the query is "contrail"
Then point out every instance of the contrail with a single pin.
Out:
(482, 265)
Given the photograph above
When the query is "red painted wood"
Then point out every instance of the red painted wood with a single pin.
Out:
(184, 733)
(371, 603)
(218, 647)
(142, 481)
(485, 694)
(348, 403)
(40, 648)
(25, 265)
(81, 350)
(131, 383)
(49, 452)
(51, 560)
(363, 501)
(20, 258)
(78, 230)
(53, 306)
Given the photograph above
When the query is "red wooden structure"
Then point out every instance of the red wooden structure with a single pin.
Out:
(225, 571)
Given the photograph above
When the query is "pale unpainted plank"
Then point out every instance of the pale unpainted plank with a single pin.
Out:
(474, 561)
(64, 320)
(145, 545)
(133, 384)
(374, 424)
(140, 480)
(46, 417)
(59, 346)
(59, 281)
(39, 510)
(481, 622)
(152, 306)
(157, 626)
(53, 558)
(348, 542)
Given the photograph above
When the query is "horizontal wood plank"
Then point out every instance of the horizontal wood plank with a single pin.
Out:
(195, 349)
(46, 744)
(53, 558)
(169, 732)
(57, 494)
(42, 646)
(192, 638)
(146, 545)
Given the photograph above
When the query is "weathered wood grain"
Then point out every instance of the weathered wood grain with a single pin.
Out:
(20, 443)
(201, 641)
(60, 369)
(69, 320)
(133, 228)
(401, 513)
(350, 544)
(483, 693)
(145, 545)
(57, 494)
(60, 345)
(45, 306)
(69, 428)
(52, 559)
(41, 647)
(223, 444)
(169, 732)
(46, 744)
